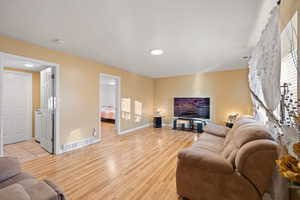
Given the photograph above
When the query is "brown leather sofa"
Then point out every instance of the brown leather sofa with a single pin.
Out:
(18, 185)
(228, 164)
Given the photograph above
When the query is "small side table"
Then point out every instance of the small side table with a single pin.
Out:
(157, 122)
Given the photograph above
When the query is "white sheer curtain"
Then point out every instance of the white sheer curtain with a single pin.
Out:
(264, 82)
(1, 117)
(264, 71)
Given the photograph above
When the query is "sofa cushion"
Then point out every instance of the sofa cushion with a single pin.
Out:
(9, 167)
(27, 183)
(208, 146)
(209, 142)
(41, 191)
(243, 134)
(229, 153)
(243, 120)
(14, 192)
(250, 132)
(211, 138)
(28, 189)
(206, 160)
(15, 179)
(228, 137)
(216, 129)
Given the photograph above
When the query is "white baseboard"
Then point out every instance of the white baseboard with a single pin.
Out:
(134, 129)
(79, 144)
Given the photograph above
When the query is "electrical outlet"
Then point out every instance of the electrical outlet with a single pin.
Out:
(94, 133)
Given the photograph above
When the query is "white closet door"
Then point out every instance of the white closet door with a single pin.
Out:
(17, 107)
(47, 109)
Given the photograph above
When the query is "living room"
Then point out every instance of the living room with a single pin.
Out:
(152, 54)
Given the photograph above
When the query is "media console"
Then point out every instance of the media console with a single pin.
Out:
(191, 124)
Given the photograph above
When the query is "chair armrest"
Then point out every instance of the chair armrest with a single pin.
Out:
(216, 129)
(205, 160)
(9, 167)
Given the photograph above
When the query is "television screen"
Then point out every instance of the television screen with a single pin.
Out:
(192, 107)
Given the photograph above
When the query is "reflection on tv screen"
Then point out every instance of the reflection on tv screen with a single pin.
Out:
(192, 107)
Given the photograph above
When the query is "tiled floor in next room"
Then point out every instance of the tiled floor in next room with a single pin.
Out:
(25, 151)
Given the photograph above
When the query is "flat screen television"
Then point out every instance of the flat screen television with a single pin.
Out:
(194, 107)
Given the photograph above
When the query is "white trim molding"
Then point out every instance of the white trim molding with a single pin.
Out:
(57, 149)
(118, 102)
(135, 129)
(79, 144)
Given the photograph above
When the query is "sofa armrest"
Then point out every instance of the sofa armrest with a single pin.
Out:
(205, 160)
(216, 129)
(59, 191)
(9, 167)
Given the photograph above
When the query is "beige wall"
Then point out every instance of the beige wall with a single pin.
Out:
(287, 11)
(228, 91)
(35, 91)
(79, 88)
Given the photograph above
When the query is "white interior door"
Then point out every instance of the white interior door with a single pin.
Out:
(17, 107)
(47, 109)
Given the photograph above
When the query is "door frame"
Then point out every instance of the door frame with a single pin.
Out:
(56, 132)
(118, 102)
(29, 134)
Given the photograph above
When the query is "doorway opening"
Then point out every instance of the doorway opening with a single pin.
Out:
(29, 127)
(109, 109)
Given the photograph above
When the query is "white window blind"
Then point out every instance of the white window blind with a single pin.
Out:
(289, 73)
(289, 59)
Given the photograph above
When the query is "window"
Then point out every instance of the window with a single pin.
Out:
(289, 56)
(126, 107)
(289, 73)
(137, 111)
(289, 62)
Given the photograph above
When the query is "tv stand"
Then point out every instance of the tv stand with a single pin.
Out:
(200, 124)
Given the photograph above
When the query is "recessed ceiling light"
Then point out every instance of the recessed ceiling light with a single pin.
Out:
(58, 41)
(28, 65)
(157, 52)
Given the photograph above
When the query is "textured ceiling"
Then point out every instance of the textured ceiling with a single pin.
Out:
(196, 35)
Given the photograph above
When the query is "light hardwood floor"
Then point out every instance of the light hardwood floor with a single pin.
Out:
(135, 166)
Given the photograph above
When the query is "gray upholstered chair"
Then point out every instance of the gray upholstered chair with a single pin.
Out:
(18, 185)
